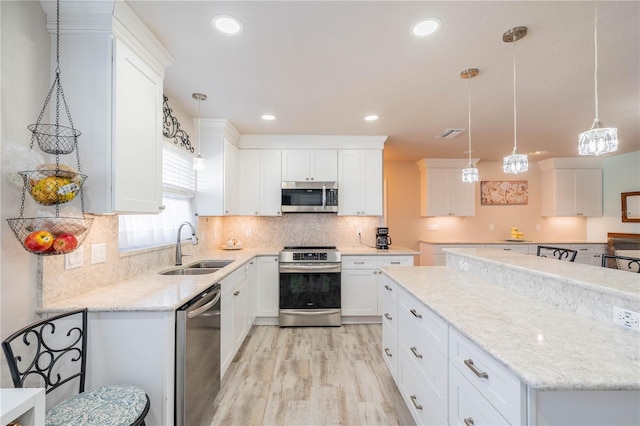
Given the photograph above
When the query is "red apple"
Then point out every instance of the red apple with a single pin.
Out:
(39, 241)
(65, 243)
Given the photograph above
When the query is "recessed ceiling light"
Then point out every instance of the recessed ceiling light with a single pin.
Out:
(539, 152)
(371, 118)
(426, 27)
(268, 117)
(227, 24)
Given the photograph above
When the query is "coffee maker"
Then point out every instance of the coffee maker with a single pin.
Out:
(382, 238)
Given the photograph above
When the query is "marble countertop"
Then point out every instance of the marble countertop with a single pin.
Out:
(505, 241)
(155, 292)
(546, 347)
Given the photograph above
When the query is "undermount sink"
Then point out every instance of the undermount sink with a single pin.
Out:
(201, 267)
(210, 264)
(190, 271)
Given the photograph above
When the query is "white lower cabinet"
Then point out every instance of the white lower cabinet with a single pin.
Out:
(422, 369)
(235, 308)
(359, 283)
(495, 386)
(467, 406)
(267, 290)
(389, 295)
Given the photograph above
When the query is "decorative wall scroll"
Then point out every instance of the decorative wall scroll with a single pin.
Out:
(171, 127)
(504, 192)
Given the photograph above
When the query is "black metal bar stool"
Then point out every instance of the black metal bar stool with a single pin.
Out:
(557, 252)
(52, 354)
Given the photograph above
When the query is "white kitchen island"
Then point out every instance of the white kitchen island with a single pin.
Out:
(507, 338)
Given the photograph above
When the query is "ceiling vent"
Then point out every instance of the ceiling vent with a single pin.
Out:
(449, 133)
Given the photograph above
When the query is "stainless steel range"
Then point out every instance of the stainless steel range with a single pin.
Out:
(310, 286)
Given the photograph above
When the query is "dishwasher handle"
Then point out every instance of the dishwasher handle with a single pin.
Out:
(208, 300)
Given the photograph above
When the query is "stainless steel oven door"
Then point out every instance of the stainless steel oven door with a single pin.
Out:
(310, 294)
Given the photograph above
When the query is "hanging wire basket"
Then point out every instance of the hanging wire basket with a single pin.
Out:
(52, 187)
(54, 138)
(46, 236)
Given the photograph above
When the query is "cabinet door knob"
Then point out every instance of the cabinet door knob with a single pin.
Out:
(468, 421)
(388, 288)
(387, 316)
(237, 292)
(161, 208)
(388, 352)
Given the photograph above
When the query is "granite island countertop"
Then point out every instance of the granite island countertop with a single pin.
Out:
(547, 347)
(155, 292)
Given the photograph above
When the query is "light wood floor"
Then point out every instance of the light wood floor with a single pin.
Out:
(310, 376)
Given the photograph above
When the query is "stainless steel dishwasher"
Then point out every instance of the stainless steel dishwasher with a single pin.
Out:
(197, 358)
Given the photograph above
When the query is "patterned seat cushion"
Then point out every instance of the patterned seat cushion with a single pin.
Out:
(112, 405)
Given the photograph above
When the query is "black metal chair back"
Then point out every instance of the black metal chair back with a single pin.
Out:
(557, 252)
(630, 262)
(51, 350)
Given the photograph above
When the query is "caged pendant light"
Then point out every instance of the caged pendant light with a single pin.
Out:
(515, 163)
(598, 140)
(469, 174)
(199, 162)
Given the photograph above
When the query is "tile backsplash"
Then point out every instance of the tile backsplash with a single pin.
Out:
(253, 232)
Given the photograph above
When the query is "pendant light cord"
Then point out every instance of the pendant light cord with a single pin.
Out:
(199, 131)
(595, 70)
(515, 121)
(469, 104)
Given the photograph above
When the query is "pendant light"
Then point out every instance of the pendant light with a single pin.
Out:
(470, 174)
(515, 163)
(598, 140)
(198, 162)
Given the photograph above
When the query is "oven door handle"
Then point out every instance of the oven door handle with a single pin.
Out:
(302, 312)
(309, 268)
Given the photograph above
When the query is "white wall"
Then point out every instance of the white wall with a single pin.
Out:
(620, 173)
(24, 84)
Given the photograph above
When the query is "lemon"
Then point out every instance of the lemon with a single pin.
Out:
(50, 190)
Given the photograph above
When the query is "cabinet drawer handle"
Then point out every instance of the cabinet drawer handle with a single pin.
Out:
(469, 421)
(237, 292)
(415, 352)
(415, 404)
(395, 263)
(359, 263)
(388, 288)
(388, 352)
(415, 314)
(506, 249)
(387, 316)
(472, 367)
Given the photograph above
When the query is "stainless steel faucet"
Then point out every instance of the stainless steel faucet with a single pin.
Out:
(194, 241)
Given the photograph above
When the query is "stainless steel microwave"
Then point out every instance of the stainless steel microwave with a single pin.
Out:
(309, 197)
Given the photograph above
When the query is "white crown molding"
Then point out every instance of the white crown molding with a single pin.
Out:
(218, 127)
(312, 141)
(109, 17)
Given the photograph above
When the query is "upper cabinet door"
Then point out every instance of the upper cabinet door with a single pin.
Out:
(323, 165)
(571, 192)
(360, 182)
(300, 165)
(137, 141)
(442, 193)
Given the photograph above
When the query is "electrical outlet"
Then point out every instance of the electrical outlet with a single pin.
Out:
(359, 232)
(248, 233)
(492, 227)
(433, 227)
(538, 227)
(75, 259)
(98, 253)
(626, 318)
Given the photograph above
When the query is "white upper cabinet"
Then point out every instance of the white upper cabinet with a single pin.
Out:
(442, 192)
(260, 182)
(112, 69)
(320, 165)
(567, 189)
(360, 182)
(218, 185)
